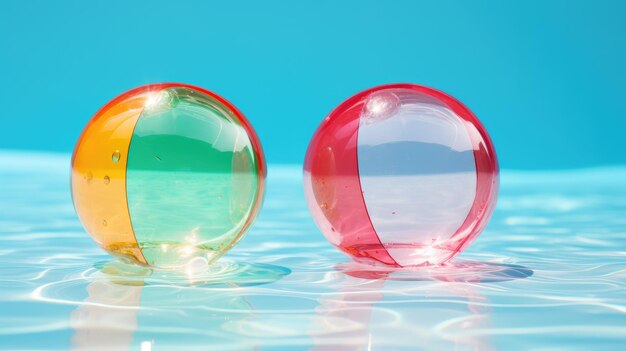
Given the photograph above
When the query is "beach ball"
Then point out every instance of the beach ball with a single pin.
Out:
(402, 175)
(167, 174)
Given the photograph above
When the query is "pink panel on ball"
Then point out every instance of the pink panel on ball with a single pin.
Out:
(333, 189)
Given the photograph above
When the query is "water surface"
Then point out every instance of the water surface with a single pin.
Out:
(548, 273)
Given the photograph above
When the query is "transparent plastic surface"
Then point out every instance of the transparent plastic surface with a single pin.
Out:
(402, 175)
(166, 174)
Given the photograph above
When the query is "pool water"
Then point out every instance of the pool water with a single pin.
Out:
(548, 273)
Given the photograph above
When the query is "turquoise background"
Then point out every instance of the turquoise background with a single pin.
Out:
(546, 77)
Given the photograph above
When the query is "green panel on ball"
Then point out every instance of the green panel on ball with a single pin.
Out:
(192, 177)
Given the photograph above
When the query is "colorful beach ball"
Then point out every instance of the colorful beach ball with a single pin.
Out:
(168, 173)
(401, 174)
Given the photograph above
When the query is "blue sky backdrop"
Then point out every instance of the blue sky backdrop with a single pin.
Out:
(547, 78)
